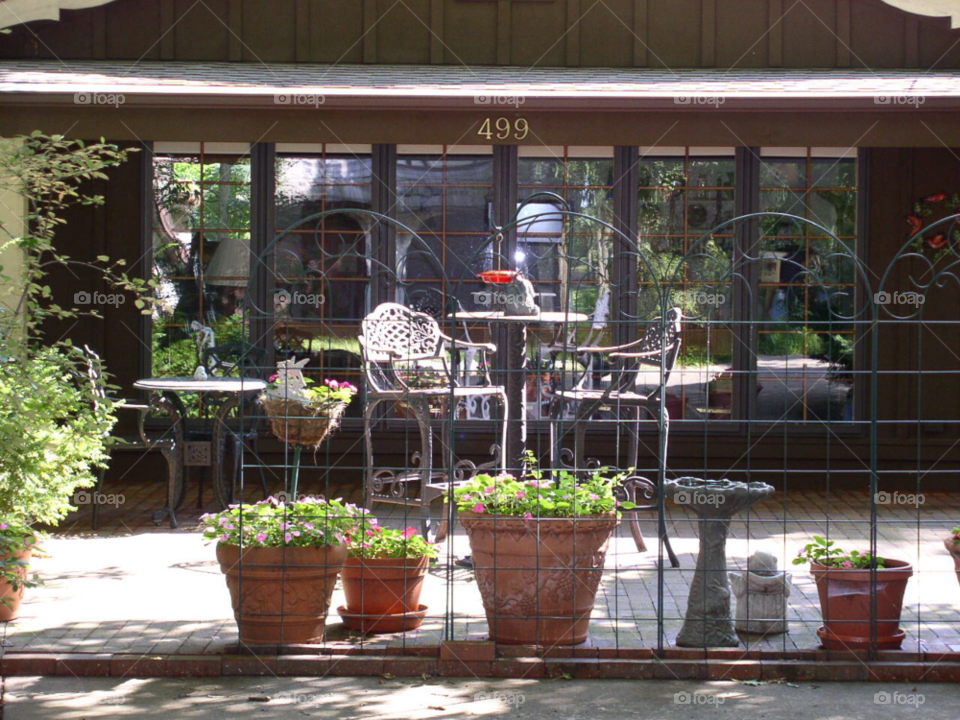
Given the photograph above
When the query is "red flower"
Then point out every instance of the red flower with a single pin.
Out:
(915, 223)
(937, 241)
(939, 197)
(409, 532)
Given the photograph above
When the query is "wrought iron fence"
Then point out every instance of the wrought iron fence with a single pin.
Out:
(818, 380)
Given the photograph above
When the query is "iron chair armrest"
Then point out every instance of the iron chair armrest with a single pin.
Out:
(648, 353)
(611, 348)
(454, 343)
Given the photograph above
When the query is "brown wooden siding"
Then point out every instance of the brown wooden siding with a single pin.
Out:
(615, 33)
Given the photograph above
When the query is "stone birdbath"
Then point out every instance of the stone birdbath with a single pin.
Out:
(708, 622)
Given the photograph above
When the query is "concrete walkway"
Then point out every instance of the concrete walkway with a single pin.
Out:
(61, 698)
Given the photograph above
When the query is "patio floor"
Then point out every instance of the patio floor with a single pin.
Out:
(136, 588)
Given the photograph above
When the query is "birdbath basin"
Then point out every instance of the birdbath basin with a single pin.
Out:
(708, 622)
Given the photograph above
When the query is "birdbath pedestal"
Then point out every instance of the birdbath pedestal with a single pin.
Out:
(708, 620)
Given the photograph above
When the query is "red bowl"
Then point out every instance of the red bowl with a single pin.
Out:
(498, 276)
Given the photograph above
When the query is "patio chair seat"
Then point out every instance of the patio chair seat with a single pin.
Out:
(441, 392)
(622, 398)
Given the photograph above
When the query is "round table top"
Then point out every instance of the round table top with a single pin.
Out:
(189, 384)
(549, 317)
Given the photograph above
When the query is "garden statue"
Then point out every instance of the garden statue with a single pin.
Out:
(708, 622)
(290, 383)
(762, 594)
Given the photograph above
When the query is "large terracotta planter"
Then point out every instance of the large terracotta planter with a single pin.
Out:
(9, 595)
(538, 579)
(953, 548)
(845, 599)
(281, 595)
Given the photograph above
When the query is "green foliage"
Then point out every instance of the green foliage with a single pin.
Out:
(824, 552)
(310, 522)
(53, 431)
(54, 420)
(372, 540)
(793, 342)
(955, 534)
(532, 496)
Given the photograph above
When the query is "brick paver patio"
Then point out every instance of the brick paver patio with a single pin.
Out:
(136, 588)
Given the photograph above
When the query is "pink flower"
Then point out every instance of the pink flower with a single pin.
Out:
(3, 526)
(371, 533)
(308, 526)
(521, 494)
(594, 496)
(528, 516)
(273, 378)
(333, 383)
(490, 490)
(409, 532)
(296, 533)
(287, 537)
(479, 508)
(225, 537)
(847, 564)
(261, 537)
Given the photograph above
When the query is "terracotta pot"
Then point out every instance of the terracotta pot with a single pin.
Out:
(281, 595)
(845, 605)
(400, 622)
(954, 549)
(538, 579)
(385, 586)
(14, 597)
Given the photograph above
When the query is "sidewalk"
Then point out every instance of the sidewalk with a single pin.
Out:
(31, 698)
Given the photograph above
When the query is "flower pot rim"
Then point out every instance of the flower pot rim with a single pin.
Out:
(900, 567)
(467, 515)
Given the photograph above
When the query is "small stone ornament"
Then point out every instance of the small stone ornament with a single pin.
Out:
(761, 594)
(290, 382)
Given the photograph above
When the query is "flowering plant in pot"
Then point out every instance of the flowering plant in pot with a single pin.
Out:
(539, 547)
(952, 543)
(845, 583)
(383, 577)
(17, 543)
(281, 562)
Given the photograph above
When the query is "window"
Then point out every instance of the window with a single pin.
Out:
(804, 347)
(320, 277)
(684, 193)
(200, 248)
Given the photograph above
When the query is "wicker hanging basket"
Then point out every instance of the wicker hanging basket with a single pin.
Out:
(298, 424)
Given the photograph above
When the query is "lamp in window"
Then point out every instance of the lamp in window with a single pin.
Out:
(230, 264)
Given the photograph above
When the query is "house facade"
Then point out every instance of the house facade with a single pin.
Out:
(657, 121)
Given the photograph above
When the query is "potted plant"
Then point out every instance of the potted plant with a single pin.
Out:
(846, 589)
(383, 577)
(952, 544)
(539, 547)
(281, 562)
(302, 412)
(17, 542)
(538, 380)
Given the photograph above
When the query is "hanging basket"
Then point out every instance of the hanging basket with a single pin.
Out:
(298, 424)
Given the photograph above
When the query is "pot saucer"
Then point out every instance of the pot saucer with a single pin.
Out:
(398, 622)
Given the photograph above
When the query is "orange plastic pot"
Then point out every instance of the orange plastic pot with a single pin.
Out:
(845, 604)
(281, 594)
(383, 586)
(538, 579)
(10, 607)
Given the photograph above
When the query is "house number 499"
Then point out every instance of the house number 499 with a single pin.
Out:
(502, 128)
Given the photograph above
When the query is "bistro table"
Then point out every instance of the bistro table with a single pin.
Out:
(165, 395)
(516, 363)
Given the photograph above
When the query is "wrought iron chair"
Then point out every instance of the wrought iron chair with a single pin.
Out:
(394, 340)
(659, 346)
(170, 443)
